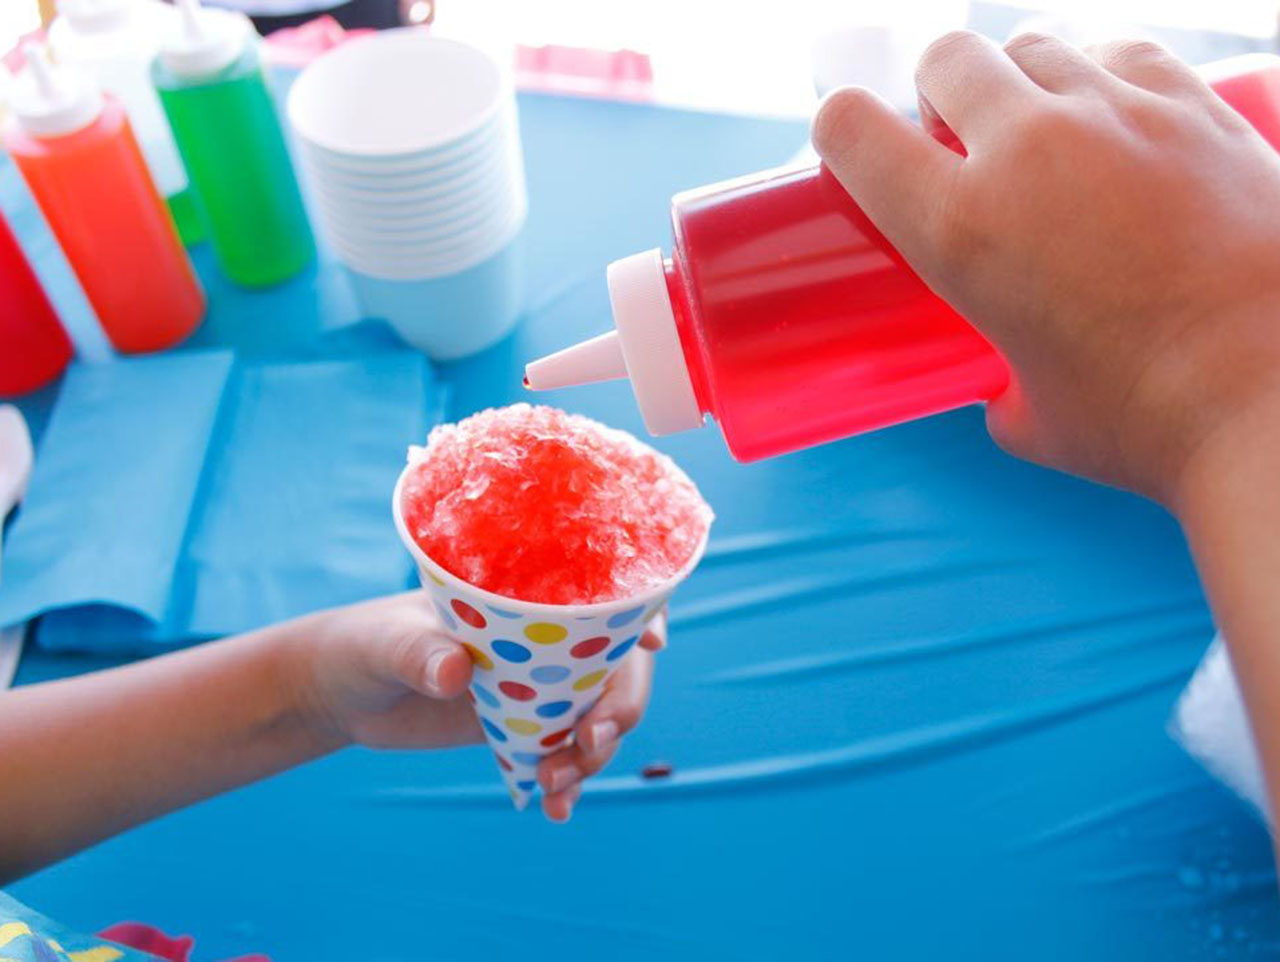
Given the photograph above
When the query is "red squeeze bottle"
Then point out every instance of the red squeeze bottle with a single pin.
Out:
(78, 155)
(34, 348)
(785, 315)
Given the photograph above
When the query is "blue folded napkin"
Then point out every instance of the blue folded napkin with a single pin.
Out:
(192, 495)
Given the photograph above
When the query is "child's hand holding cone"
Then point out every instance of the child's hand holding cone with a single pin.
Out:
(387, 674)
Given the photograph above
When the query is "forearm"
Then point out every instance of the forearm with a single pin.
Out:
(1229, 504)
(84, 758)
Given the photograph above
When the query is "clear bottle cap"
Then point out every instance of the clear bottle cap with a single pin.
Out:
(52, 102)
(204, 41)
(645, 347)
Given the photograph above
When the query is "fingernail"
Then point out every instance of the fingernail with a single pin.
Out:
(562, 778)
(435, 664)
(602, 733)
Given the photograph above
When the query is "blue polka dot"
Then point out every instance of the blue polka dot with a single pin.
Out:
(622, 649)
(526, 758)
(549, 674)
(526, 786)
(486, 696)
(624, 617)
(496, 733)
(510, 651)
(500, 613)
(553, 709)
(446, 617)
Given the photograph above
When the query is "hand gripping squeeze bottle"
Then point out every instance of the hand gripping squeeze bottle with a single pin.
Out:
(787, 317)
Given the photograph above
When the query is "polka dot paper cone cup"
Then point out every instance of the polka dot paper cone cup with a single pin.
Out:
(538, 667)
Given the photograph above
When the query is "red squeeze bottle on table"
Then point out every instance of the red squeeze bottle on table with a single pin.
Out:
(786, 316)
(78, 155)
(34, 347)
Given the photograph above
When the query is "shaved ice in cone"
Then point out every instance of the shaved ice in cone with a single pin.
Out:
(548, 543)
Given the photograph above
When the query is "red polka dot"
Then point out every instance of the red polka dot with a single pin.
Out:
(467, 613)
(592, 646)
(556, 738)
(506, 765)
(513, 689)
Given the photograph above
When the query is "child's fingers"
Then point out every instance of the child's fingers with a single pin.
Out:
(655, 636)
(558, 772)
(621, 706)
(973, 85)
(559, 806)
(1054, 65)
(891, 168)
(417, 654)
(1151, 67)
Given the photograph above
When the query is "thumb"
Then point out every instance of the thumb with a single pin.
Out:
(427, 661)
(892, 169)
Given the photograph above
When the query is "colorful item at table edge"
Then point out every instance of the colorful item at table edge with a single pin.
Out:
(527, 712)
(76, 151)
(784, 313)
(210, 80)
(158, 943)
(295, 47)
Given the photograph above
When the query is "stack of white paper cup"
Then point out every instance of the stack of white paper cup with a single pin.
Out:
(411, 148)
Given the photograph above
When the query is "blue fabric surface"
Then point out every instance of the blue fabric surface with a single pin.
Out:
(186, 496)
(915, 703)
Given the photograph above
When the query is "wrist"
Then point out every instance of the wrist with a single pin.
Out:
(1232, 471)
(295, 649)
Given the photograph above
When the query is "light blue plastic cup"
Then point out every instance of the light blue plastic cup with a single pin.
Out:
(455, 315)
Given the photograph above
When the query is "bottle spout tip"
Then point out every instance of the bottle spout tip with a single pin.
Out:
(599, 359)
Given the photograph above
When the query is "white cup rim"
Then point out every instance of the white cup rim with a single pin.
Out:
(534, 608)
(391, 217)
(431, 266)
(397, 63)
(482, 140)
(470, 233)
(446, 239)
(451, 221)
(428, 201)
(492, 176)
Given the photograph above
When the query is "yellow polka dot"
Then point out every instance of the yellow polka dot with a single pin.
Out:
(99, 953)
(479, 657)
(523, 726)
(546, 633)
(589, 681)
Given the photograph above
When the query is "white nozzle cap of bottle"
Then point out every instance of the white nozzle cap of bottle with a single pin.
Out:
(645, 347)
(52, 102)
(204, 41)
(93, 16)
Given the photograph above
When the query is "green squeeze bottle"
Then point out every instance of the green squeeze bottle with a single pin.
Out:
(209, 77)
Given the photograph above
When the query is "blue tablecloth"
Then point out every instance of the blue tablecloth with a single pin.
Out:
(915, 702)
